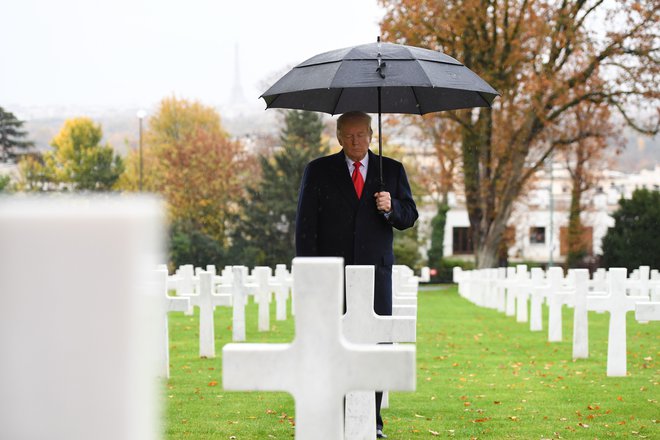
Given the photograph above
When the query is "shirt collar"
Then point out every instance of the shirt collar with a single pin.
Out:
(364, 161)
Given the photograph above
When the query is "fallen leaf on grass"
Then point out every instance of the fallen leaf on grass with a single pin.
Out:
(514, 418)
(485, 419)
(213, 383)
(434, 433)
(421, 417)
(584, 425)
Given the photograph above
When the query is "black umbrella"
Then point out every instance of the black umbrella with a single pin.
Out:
(380, 78)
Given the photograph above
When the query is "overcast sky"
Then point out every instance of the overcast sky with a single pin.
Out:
(135, 52)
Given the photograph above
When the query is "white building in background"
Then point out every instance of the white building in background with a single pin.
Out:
(539, 223)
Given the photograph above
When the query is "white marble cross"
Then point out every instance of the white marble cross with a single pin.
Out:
(172, 304)
(599, 281)
(281, 284)
(618, 304)
(186, 285)
(557, 296)
(655, 286)
(639, 282)
(404, 286)
(425, 275)
(510, 284)
(206, 301)
(263, 296)
(319, 367)
(239, 289)
(522, 290)
(536, 302)
(581, 314)
(361, 325)
(500, 290)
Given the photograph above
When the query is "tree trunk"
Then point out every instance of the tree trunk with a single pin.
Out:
(576, 251)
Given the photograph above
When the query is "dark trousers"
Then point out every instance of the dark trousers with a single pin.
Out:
(379, 419)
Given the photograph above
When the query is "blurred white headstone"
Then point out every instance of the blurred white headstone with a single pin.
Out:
(78, 338)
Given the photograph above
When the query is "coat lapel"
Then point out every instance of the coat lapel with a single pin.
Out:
(371, 186)
(343, 179)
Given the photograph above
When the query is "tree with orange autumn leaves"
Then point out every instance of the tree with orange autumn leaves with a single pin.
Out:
(584, 158)
(191, 161)
(546, 58)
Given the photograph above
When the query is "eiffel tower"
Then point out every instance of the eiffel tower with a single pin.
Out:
(237, 96)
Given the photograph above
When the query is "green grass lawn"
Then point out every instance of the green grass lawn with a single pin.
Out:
(480, 375)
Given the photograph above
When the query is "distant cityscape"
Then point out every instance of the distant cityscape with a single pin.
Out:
(246, 119)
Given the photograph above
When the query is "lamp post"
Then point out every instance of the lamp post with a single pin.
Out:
(140, 114)
(552, 209)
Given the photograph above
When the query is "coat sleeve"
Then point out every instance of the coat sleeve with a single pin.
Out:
(404, 211)
(307, 216)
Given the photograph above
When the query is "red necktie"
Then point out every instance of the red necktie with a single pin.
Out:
(358, 181)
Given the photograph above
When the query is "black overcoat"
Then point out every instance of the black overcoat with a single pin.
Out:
(332, 222)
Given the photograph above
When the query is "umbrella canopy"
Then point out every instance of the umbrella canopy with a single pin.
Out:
(380, 78)
(410, 80)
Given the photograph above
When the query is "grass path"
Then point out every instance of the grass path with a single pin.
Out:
(480, 375)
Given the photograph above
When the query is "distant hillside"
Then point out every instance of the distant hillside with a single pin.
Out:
(120, 127)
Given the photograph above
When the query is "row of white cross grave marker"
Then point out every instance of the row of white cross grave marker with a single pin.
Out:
(517, 291)
(332, 356)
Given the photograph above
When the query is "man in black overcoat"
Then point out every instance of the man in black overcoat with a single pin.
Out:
(343, 212)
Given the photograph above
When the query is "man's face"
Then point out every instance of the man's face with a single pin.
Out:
(355, 137)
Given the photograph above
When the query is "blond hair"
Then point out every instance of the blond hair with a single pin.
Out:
(351, 116)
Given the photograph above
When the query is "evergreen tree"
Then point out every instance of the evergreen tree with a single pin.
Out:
(634, 239)
(11, 136)
(406, 247)
(437, 236)
(4, 183)
(265, 228)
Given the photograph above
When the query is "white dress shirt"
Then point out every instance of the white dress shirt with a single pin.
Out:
(363, 168)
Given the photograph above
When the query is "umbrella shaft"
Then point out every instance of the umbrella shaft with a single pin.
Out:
(380, 145)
